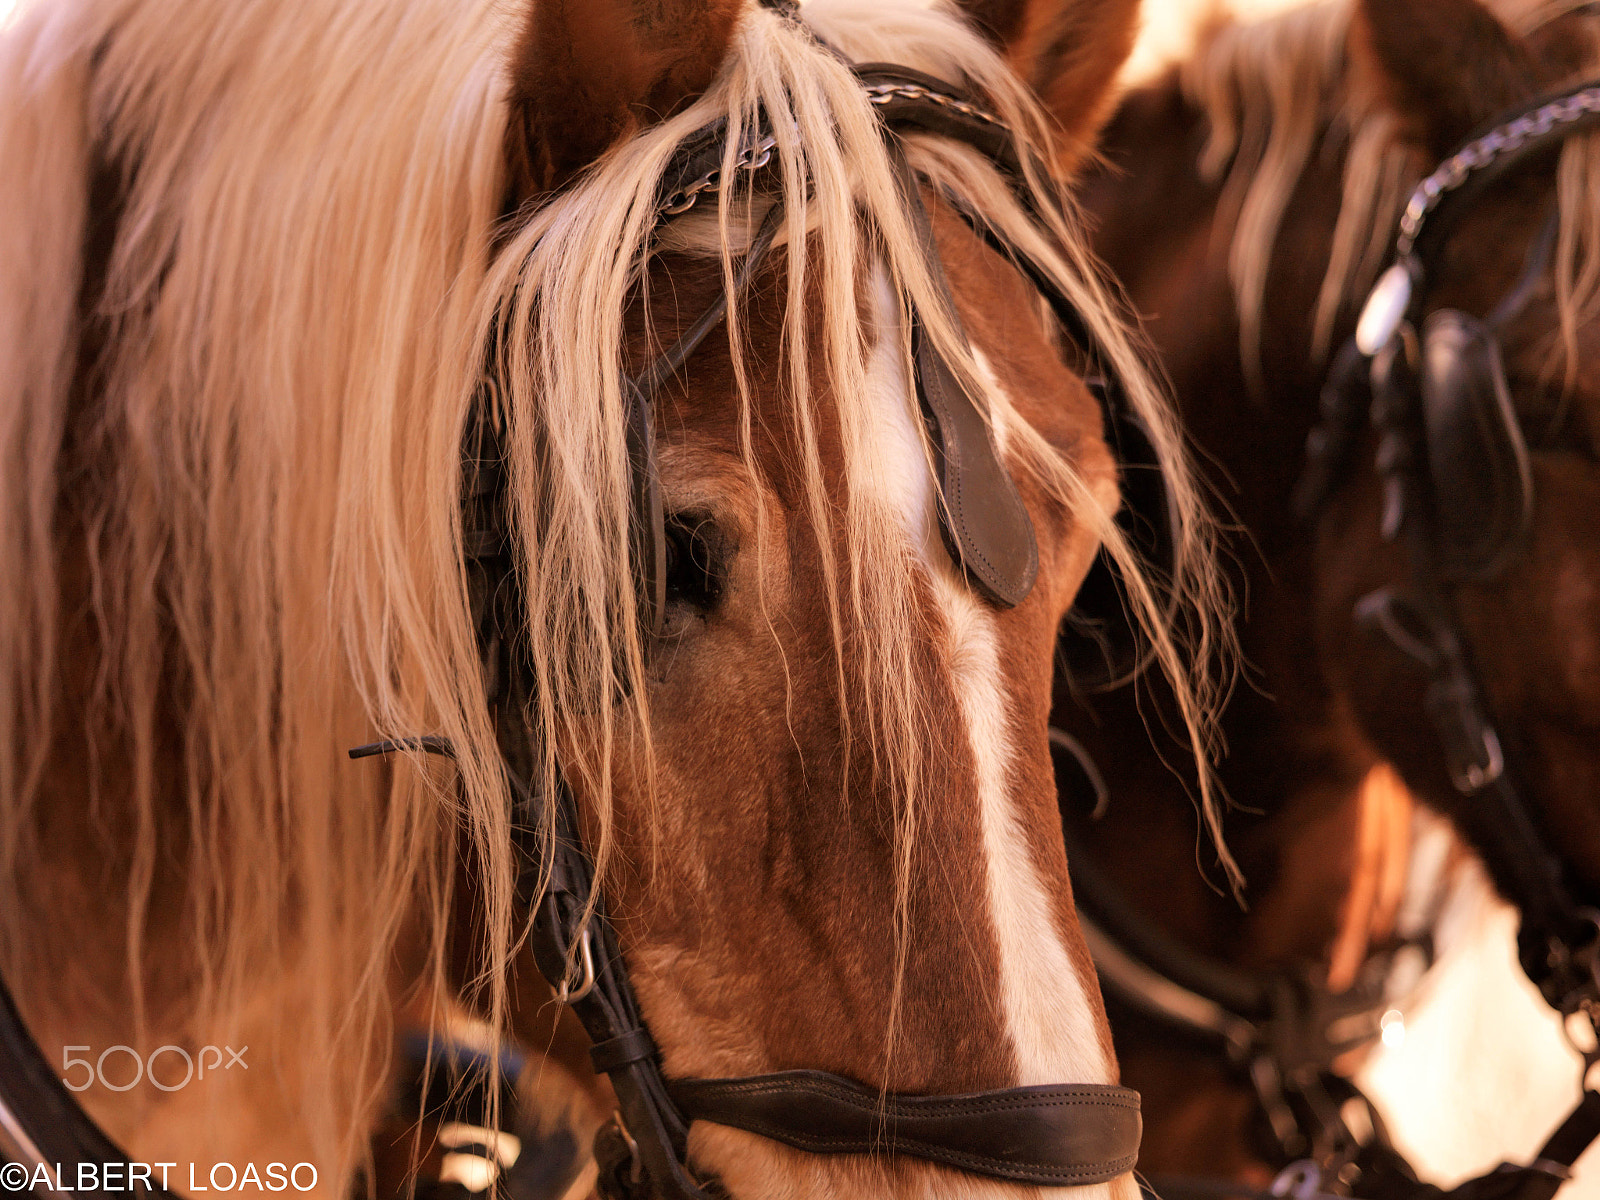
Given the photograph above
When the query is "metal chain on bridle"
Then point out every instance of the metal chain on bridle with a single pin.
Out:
(751, 158)
(754, 157)
(1482, 153)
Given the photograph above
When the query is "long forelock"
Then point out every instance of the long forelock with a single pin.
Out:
(1275, 91)
(567, 276)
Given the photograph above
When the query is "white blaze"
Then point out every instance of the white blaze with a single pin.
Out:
(1047, 1011)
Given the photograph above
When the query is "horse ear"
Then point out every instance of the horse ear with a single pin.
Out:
(588, 73)
(1069, 52)
(1444, 67)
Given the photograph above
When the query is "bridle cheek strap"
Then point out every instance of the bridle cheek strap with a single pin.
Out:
(1055, 1135)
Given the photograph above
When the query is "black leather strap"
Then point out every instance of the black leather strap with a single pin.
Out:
(1556, 939)
(1282, 1030)
(1058, 1135)
(1477, 460)
(635, 1045)
(1542, 1178)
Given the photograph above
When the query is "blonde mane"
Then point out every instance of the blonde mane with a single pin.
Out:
(305, 285)
(1274, 91)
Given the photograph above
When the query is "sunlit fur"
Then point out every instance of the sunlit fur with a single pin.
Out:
(301, 299)
(1274, 88)
(1382, 854)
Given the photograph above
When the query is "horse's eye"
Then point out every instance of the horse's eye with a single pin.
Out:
(694, 566)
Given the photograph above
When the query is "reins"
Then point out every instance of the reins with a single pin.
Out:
(1280, 1030)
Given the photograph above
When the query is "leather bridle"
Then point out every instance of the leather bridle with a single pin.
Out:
(1053, 1135)
(1437, 400)
(1459, 494)
(1391, 378)
(1280, 1030)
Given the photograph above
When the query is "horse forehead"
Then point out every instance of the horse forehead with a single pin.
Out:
(703, 407)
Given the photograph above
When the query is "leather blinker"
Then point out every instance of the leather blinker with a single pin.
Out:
(1477, 458)
(985, 525)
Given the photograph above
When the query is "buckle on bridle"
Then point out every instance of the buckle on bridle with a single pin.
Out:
(1300, 1180)
(1473, 755)
(566, 993)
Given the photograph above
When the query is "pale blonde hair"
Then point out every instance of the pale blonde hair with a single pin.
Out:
(304, 291)
(1275, 91)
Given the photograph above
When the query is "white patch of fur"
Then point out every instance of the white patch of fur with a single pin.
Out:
(904, 480)
(1048, 1013)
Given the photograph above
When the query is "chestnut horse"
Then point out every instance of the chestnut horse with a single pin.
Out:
(264, 267)
(1250, 200)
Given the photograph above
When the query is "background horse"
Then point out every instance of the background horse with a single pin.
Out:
(258, 261)
(1250, 199)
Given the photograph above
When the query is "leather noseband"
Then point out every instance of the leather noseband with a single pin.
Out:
(1055, 1135)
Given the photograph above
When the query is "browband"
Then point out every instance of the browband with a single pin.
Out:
(1441, 198)
(909, 99)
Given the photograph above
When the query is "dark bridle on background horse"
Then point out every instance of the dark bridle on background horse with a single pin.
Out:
(1050, 1135)
(1458, 491)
